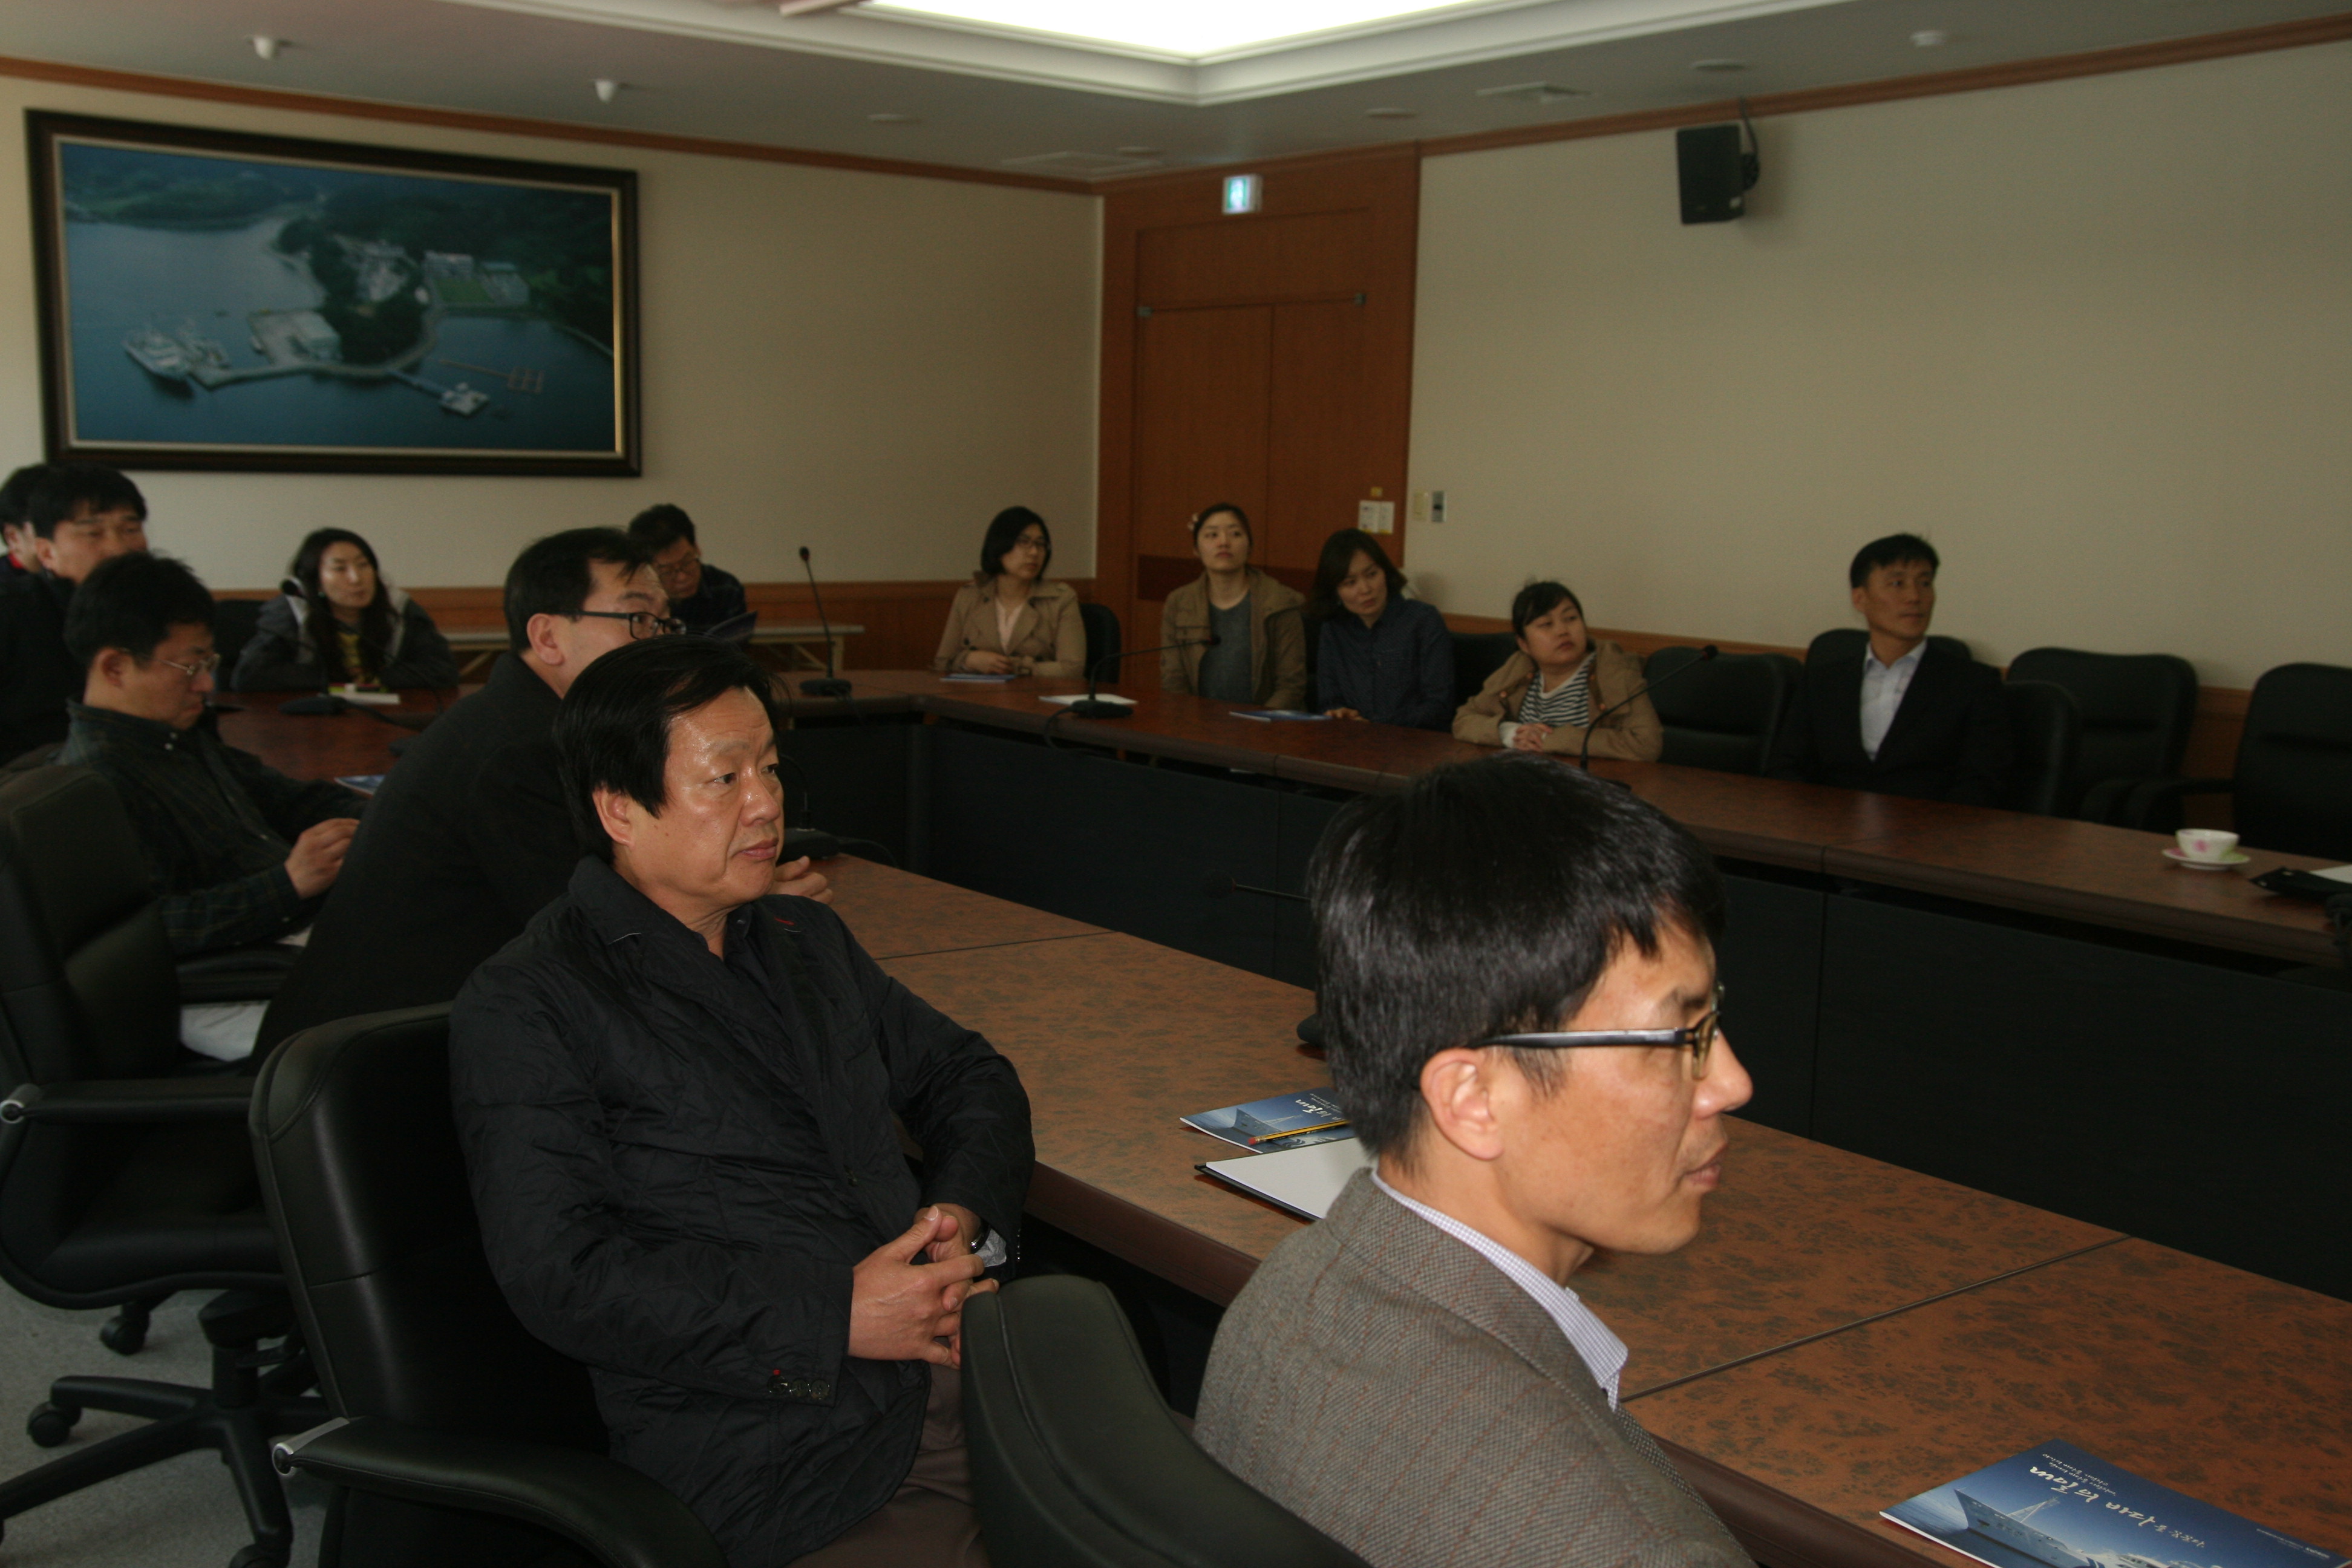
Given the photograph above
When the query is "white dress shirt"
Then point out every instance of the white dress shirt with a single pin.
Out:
(1883, 686)
(1601, 1351)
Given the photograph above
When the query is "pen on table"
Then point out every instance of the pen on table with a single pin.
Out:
(1319, 1126)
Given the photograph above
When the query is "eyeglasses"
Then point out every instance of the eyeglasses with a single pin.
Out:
(205, 664)
(1028, 541)
(643, 624)
(679, 569)
(1699, 1037)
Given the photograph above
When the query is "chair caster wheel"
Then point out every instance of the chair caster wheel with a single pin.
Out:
(257, 1557)
(124, 1334)
(50, 1425)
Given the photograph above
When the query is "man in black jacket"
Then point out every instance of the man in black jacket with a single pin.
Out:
(469, 837)
(675, 1090)
(80, 514)
(1900, 715)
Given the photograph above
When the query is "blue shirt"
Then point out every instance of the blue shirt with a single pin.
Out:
(1398, 671)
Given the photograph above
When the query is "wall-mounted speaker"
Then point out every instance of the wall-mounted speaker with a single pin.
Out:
(1717, 174)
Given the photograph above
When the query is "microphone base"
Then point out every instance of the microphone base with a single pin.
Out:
(824, 687)
(1095, 707)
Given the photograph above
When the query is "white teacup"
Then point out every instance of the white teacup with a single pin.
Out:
(2206, 843)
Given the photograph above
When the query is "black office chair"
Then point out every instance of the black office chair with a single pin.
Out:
(2046, 731)
(2292, 789)
(233, 623)
(1727, 715)
(1848, 641)
(2136, 710)
(1102, 637)
(459, 1439)
(1078, 1463)
(122, 1179)
(1476, 655)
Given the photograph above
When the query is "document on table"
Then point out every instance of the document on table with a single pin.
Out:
(1067, 697)
(1305, 1181)
(2336, 874)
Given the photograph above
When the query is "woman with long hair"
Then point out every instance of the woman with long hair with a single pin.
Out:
(341, 623)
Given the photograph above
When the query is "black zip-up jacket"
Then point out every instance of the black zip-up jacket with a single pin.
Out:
(38, 676)
(677, 1166)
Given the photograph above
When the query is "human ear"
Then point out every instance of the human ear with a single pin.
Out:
(45, 551)
(1458, 1089)
(616, 811)
(1860, 595)
(111, 665)
(539, 632)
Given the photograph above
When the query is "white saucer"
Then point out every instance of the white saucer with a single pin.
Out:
(2223, 863)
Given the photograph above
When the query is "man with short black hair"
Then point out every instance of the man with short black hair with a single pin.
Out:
(238, 853)
(1520, 1006)
(15, 521)
(1899, 714)
(676, 1092)
(701, 594)
(76, 515)
(469, 837)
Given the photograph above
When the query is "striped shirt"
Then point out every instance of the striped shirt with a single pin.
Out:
(1602, 1353)
(1568, 704)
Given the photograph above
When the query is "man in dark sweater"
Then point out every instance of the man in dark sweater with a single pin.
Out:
(79, 514)
(701, 594)
(469, 837)
(1900, 715)
(678, 1097)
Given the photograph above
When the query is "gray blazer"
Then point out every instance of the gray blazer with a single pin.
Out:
(1395, 1390)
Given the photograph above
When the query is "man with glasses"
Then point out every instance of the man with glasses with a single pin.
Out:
(470, 836)
(238, 853)
(1520, 1005)
(701, 594)
(75, 516)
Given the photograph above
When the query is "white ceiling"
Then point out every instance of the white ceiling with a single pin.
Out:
(987, 99)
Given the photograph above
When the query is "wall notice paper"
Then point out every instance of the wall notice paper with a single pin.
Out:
(2055, 1506)
(1305, 1181)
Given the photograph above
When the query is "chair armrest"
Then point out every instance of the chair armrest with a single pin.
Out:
(241, 974)
(130, 1100)
(2154, 806)
(611, 1512)
(2107, 800)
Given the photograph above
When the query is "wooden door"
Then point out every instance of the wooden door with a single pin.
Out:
(1263, 360)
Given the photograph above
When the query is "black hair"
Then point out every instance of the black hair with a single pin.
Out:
(1213, 507)
(1003, 529)
(325, 637)
(659, 527)
(1895, 550)
(1339, 555)
(552, 577)
(16, 493)
(69, 490)
(132, 602)
(612, 729)
(1537, 600)
(1484, 899)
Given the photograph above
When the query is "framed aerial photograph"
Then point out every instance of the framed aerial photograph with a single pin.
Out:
(210, 299)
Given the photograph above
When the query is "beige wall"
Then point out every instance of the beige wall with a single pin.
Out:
(867, 365)
(2093, 338)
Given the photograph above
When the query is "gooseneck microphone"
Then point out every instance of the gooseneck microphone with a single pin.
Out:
(1093, 707)
(832, 685)
(1584, 752)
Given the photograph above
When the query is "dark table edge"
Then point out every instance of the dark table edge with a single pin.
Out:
(1150, 1241)
(1780, 1531)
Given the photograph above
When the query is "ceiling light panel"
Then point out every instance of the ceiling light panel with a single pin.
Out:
(1188, 29)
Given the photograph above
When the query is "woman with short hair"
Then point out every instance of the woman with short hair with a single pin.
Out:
(1008, 620)
(1548, 696)
(340, 623)
(1379, 655)
(1237, 629)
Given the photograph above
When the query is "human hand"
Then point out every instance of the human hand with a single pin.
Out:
(318, 857)
(900, 1309)
(1530, 737)
(968, 1225)
(980, 662)
(795, 879)
(1341, 713)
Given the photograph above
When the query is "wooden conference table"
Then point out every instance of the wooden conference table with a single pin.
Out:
(808, 642)
(1843, 1335)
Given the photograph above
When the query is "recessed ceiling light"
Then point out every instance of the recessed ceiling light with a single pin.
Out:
(267, 46)
(607, 90)
(1188, 28)
(893, 120)
(1390, 113)
(1930, 38)
(1719, 65)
